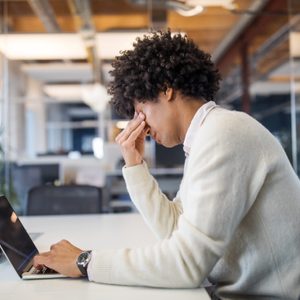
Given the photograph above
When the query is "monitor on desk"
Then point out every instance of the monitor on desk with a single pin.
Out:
(47, 173)
(169, 157)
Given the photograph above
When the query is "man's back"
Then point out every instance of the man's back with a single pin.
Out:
(263, 255)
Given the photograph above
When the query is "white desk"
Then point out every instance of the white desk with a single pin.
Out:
(104, 231)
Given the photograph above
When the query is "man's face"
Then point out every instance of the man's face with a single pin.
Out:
(161, 118)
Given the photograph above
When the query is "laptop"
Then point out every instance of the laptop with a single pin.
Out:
(17, 245)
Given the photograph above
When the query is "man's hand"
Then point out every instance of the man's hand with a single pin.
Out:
(62, 258)
(132, 140)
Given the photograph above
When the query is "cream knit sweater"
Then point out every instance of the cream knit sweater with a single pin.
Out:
(235, 220)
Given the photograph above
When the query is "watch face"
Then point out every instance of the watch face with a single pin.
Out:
(84, 258)
(83, 261)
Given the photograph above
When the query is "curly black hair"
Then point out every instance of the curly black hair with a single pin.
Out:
(158, 61)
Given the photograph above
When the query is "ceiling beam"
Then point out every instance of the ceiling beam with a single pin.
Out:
(45, 12)
(261, 21)
(81, 9)
(157, 14)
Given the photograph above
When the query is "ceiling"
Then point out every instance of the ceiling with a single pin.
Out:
(221, 31)
(208, 29)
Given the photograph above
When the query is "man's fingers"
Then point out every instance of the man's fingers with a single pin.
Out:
(41, 259)
(132, 125)
(134, 134)
(53, 246)
(45, 254)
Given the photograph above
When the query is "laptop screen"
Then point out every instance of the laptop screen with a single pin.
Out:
(14, 239)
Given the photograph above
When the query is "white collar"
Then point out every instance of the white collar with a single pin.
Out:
(196, 122)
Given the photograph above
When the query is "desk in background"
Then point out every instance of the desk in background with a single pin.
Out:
(104, 231)
(168, 179)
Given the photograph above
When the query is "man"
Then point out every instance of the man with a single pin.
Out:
(236, 218)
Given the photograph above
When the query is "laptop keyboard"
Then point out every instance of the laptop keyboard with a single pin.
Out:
(44, 270)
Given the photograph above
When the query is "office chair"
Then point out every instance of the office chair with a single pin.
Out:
(65, 199)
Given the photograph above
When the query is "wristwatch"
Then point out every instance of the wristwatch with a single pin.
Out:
(83, 261)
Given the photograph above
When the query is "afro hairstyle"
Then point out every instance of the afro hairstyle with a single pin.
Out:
(158, 61)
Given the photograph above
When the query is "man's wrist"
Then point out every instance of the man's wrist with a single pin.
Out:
(132, 164)
(83, 261)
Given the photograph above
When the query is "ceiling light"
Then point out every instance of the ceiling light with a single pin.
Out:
(189, 8)
(53, 46)
(95, 96)
(60, 72)
(60, 46)
(42, 46)
(190, 12)
(228, 4)
(64, 92)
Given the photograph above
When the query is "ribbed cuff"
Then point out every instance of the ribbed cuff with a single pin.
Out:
(99, 268)
(136, 175)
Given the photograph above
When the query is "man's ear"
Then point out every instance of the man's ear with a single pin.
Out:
(169, 94)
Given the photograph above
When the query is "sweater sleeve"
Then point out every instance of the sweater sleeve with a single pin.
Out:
(224, 176)
(160, 214)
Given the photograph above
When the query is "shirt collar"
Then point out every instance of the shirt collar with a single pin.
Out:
(196, 122)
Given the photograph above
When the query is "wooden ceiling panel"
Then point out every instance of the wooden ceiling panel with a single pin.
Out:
(116, 7)
(207, 29)
(16, 8)
(27, 24)
(61, 7)
(266, 23)
(206, 39)
(67, 23)
(243, 4)
(200, 22)
(121, 22)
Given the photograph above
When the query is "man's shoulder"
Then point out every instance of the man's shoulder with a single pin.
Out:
(222, 121)
(221, 115)
(224, 128)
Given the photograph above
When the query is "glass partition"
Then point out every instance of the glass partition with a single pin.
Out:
(294, 61)
(269, 71)
(41, 121)
(6, 184)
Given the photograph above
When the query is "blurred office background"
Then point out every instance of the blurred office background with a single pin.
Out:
(56, 126)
